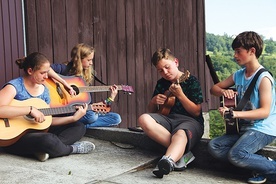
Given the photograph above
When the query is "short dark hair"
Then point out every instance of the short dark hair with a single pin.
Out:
(160, 54)
(247, 40)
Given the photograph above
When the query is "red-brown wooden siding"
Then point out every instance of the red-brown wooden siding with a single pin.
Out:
(125, 33)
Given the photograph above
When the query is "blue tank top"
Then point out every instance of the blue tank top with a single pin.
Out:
(267, 125)
(22, 93)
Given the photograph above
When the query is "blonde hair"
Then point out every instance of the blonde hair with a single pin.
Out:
(79, 52)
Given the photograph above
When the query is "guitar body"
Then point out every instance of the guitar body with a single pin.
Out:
(231, 124)
(168, 104)
(13, 128)
(60, 97)
(170, 101)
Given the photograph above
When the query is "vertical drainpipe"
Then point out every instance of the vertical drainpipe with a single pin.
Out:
(24, 30)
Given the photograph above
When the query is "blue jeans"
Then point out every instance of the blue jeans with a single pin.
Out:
(92, 119)
(240, 151)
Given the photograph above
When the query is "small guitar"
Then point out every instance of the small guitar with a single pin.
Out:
(60, 97)
(13, 128)
(170, 101)
(231, 124)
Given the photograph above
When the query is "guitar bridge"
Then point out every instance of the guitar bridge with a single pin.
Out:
(6, 121)
(59, 90)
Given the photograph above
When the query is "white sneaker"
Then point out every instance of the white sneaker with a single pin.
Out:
(83, 147)
(182, 163)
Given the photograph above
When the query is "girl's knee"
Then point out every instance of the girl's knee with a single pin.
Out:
(117, 119)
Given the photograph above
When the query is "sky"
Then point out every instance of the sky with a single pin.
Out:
(232, 17)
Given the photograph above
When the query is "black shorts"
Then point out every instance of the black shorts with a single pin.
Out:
(174, 122)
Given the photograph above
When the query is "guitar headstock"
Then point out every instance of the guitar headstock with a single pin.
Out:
(184, 76)
(100, 108)
(127, 89)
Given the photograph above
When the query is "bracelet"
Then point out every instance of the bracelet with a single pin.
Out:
(31, 108)
(110, 99)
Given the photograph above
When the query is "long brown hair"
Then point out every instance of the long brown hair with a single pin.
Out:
(79, 52)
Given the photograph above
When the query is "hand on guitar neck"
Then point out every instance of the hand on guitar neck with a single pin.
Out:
(231, 124)
(170, 98)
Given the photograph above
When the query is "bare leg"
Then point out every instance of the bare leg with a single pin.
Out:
(154, 130)
(178, 144)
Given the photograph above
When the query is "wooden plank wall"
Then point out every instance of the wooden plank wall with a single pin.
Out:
(11, 38)
(125, 33)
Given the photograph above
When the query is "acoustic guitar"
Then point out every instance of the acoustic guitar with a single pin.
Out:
(231, 124)
(170, 101)
(60, 97)
(13, 128)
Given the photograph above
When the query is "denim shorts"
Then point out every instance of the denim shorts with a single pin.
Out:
(174, 122)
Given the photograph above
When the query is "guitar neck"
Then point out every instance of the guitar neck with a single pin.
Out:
(60, 110)
(212, 70)
(96, 88)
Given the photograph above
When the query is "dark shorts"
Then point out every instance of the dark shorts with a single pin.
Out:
(174, 122)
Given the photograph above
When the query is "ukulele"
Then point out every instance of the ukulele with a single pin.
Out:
(60, 97)
(231, 124)
(11, 129)
(170, 101)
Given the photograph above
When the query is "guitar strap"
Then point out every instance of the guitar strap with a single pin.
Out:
(70, 65)
(97, 79)
(248, 92)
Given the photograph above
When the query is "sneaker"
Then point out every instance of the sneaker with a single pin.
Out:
(182, 163)
(157, 172)
(42, 156)
(166, 165)
(83, 147)
(256, 179)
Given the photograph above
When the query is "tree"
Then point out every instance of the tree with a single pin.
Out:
(270, 48)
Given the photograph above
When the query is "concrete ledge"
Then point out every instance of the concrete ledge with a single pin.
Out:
(125, 136)
(139, 139)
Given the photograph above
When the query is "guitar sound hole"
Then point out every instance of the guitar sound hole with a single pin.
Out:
(76, 89)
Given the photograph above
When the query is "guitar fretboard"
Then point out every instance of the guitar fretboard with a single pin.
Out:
(96, 88)
(71, 109)
(125, 88)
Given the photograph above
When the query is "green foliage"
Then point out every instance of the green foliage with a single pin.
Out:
(216, 124)
(220, 50)
(270, 46)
